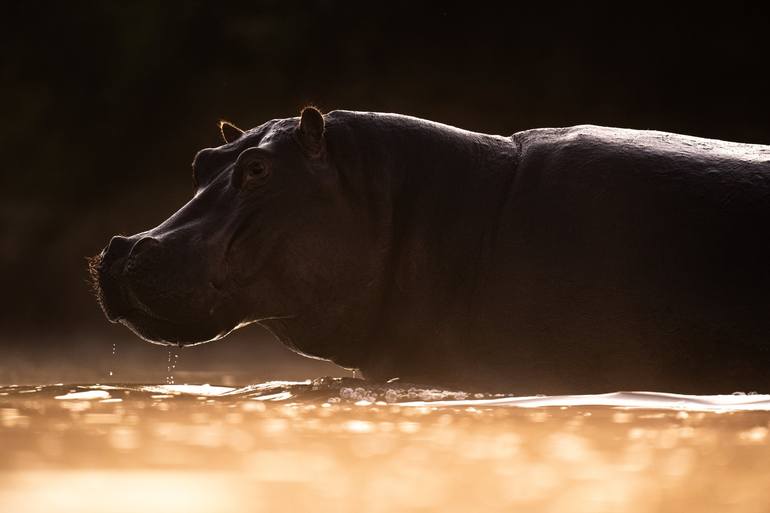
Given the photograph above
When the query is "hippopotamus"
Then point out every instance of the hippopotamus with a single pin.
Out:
(555, 260)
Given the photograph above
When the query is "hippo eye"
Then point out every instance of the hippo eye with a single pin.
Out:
(255, 170)
(251, 169)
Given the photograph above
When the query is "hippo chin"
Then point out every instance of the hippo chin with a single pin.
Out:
(573, 260)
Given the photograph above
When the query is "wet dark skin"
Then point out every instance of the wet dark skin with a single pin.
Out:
(568, 260)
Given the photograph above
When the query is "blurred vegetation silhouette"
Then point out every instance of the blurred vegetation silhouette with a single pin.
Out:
(105, 103)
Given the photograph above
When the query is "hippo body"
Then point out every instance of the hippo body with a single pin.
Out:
(565, 260)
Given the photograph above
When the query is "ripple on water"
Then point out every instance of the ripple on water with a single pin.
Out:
(335, 390)
(347, 445)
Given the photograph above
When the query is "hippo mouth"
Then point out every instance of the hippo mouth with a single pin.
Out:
(120, 305)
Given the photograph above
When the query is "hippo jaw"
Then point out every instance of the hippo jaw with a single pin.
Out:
(120, 304)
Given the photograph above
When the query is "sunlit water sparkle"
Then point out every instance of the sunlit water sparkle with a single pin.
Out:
(345, 445)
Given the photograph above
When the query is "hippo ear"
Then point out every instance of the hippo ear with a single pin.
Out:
(228, 131)
(311, 130)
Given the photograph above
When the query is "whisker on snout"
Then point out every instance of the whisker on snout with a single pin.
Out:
(93, 264)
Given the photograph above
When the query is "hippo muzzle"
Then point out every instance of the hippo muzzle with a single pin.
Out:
(153, 287)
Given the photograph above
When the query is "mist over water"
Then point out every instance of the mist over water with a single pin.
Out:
(343, 444)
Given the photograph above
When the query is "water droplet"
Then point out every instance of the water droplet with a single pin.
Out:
(171, 367)
(168, 368)
(113, 359)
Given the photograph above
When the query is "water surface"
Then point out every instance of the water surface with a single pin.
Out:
(344, 445)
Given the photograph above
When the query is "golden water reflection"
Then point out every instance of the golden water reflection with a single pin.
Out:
(296, 447)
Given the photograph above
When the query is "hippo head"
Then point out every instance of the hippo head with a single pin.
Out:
(270, 234)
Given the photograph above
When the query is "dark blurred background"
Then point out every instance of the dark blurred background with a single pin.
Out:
(105, 103)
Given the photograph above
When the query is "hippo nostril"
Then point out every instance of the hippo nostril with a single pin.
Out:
(119, 244)
(117, 248)
(144, 244)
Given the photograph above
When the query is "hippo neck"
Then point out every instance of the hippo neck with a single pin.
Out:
(432, 193)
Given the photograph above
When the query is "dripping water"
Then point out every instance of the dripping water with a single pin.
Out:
(113, 359)
(171, 362)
